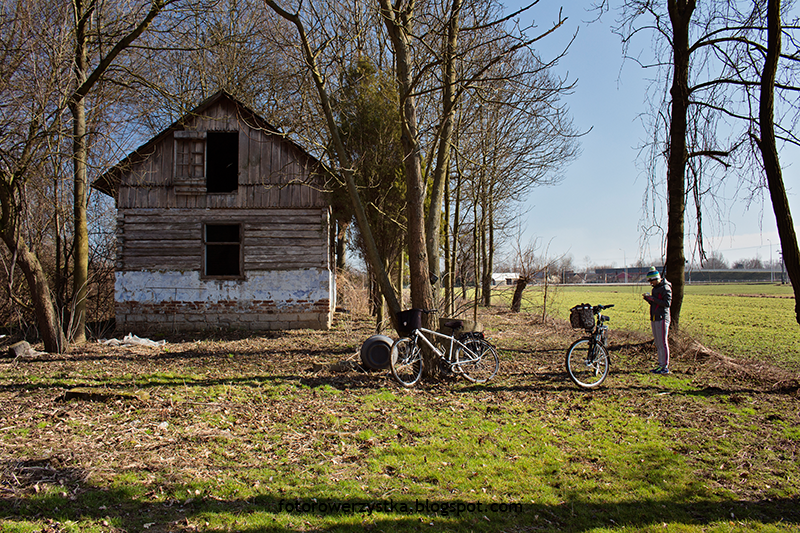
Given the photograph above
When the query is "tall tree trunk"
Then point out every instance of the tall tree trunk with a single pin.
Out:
(440, 174)
(401, 270)
(398, 22)
(80, 278)
(85, 81)
(60, 291)
(680, 13)
(447, 278)
(476, 246)
(769, 153)
(488, 247)
(458, 272)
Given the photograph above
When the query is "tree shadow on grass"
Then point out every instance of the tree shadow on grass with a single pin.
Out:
(48, 492)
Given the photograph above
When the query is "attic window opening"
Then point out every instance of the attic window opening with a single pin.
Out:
(222, 161)
(223, 245)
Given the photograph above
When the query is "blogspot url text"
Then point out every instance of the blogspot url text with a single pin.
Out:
(404, 507)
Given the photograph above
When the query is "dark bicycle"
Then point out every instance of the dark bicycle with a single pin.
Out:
(587, 359)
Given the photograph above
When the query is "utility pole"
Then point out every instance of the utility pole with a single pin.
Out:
(771, 278)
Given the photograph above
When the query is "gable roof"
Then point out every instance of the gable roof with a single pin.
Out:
(109, 182)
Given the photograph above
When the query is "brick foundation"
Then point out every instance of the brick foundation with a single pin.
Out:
(167, 317)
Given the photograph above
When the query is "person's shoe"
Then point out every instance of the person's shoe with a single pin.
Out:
(663, 371)
(657, 370)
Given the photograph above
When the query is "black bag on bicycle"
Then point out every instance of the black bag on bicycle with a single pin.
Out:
(581, 317)
(408, 321)
(469, 335)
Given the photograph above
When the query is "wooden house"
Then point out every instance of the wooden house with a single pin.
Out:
(221, 223)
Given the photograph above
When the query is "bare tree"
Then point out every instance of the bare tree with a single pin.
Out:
(101, 36)
(345, 163)
(399, 21)
(768, 146)
(33, 82)
(365, 104)
(488, 58)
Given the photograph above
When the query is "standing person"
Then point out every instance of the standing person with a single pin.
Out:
(660, 298)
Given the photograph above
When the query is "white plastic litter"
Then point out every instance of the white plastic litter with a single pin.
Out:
(132, 340)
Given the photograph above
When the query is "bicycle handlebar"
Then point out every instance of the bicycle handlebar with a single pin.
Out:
(598, 308)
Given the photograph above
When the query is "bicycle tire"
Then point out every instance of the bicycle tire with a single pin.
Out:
(486, 365)
(583, 372)
(406, 361)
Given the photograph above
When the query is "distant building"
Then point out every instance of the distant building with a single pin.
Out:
(504, 278)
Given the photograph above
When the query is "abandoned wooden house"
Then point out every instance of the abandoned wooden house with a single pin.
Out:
(221, 223)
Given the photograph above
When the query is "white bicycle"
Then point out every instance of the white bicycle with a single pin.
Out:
(469, 354)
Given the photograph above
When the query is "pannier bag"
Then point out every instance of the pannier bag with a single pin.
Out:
(408, 321)
(470, 335)
(581, 317)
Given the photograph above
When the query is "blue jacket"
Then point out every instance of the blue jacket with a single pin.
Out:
(660, 299)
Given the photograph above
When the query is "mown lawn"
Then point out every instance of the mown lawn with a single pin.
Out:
(256, 434)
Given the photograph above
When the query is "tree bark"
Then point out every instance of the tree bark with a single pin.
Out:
(85, 81)
(516, 300)
(440, 174)
(769, 153)
(447, 277)
(398, 23)
(488, 267)
(80, 278)
(680, 13)
(80, 282)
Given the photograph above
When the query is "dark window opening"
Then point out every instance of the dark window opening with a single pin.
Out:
(222, 161)
(223, 250)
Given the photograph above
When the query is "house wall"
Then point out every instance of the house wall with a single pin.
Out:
(287, 278)
(288, 281)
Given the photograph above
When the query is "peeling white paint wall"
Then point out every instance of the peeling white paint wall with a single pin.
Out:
(281, 287)
(263, 300)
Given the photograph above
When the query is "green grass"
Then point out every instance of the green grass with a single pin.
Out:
(742, 320)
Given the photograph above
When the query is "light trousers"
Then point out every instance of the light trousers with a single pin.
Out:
(660, 334)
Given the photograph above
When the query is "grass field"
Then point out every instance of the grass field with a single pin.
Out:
(749, 321)
(271, 433)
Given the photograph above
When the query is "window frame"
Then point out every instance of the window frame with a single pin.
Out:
(206, 243)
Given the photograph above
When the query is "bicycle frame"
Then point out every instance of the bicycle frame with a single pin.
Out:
(598, 336)
(418, 334)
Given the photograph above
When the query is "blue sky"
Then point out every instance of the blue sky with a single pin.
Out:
(595, 213)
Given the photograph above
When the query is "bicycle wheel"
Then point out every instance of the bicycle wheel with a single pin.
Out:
(587, 372)
(480, 363)
(406, 361)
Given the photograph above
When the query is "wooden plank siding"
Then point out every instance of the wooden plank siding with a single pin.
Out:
(276, 239)
(272, 172)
